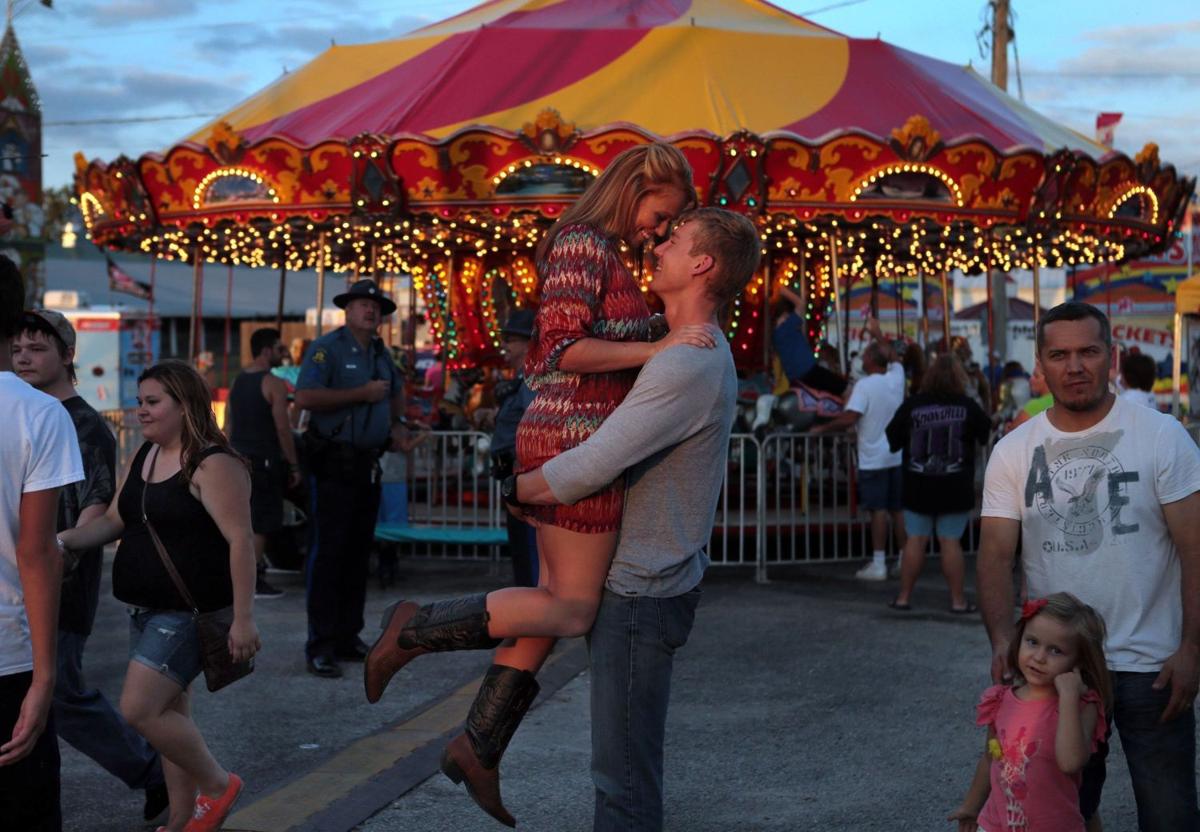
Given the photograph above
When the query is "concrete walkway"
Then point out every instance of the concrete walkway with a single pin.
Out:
(803, 704)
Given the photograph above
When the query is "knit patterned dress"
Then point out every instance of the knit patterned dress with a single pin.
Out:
(586, 293)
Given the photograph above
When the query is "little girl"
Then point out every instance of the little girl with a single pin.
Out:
(1043, 728)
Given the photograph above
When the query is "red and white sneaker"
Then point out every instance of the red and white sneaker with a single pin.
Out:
(211, 812)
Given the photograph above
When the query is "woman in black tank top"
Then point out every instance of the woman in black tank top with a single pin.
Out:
(196, 492)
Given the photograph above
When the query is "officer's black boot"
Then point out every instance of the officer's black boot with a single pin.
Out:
(409, 631)
(473, 757)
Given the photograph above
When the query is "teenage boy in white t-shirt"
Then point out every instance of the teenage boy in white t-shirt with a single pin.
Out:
(873, 402)
(1103, 496)
(38, 455)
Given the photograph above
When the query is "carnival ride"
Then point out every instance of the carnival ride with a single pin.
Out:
(445, 154)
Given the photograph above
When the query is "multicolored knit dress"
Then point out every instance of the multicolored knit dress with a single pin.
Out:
(587, 292)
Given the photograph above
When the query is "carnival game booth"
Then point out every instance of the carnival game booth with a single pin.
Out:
(447, 153)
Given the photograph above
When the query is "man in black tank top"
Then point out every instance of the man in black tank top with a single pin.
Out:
(256, 422)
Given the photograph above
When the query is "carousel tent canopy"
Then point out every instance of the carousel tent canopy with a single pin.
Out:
(1018, 310)
(668, 66)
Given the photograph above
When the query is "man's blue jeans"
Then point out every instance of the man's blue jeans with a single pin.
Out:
(92, 725)
(632, 650)
(1161, 758)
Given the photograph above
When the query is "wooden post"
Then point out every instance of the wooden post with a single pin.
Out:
(767, 323)
(1000, 43)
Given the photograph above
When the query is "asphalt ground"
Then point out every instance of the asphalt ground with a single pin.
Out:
(801, 704)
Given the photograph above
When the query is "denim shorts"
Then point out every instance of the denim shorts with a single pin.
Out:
(880, 490)
(166, 641)
(946, 525)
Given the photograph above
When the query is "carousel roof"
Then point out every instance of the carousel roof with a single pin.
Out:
(668, 66)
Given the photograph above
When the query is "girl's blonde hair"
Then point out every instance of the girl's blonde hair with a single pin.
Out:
(199, 425)
(1090, 633)
(610, 203)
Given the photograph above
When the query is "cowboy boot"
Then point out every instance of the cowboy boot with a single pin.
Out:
(409, 631)
(473, 757)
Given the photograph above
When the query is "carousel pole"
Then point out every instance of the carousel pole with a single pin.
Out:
(153, 269)
(766, 321)
(837, 306)
(450, 275)
(946, 308)
(197, 288)
(1037, 293)
(282, 289)
(924, 333)
(228, 324)
(320, 283)
(991, 320)
(899, 287)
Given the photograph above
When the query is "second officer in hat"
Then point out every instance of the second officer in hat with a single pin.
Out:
(354, 392)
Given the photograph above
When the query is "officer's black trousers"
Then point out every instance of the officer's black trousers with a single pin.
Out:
(343, 512)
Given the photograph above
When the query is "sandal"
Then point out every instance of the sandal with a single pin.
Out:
(967, 610)
(896, 605)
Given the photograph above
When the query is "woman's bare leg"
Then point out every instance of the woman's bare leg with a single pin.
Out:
(528, 653)
(565, 605)
(149, 702)
(954, 570)
(912, 559)
(181, 786)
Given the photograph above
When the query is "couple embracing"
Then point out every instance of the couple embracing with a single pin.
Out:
(624, 432)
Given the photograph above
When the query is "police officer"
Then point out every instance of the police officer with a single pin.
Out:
(353, 390)
(513, 397)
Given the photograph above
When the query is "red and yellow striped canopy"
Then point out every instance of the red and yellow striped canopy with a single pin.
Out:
(667, 66)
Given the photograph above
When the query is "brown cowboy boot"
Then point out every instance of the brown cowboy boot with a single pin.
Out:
(409, 631)
(474, 756)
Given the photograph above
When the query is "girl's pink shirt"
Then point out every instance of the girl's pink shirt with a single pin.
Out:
(1029, 791)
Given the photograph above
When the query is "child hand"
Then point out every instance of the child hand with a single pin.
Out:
(1069, 685)
(966, 819)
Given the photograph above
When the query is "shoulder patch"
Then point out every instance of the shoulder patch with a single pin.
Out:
(319, 356)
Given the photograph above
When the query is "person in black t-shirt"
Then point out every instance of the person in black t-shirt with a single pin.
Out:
(937, 429)
(257, 424)
(43, 356)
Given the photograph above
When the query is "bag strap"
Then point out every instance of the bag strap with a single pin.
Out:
(158, 544)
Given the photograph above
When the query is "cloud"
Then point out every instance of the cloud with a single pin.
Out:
(1142, 36)
(134, 91)
(295, 43)
(123, 12)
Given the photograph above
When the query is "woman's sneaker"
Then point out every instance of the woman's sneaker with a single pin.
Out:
(211, 812)
(263, 588)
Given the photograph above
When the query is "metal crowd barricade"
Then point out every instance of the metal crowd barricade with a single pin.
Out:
(453, 502)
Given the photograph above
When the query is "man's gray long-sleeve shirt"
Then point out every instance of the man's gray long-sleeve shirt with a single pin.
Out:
(670, 436)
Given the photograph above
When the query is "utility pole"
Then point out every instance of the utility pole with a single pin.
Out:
(1000, 38)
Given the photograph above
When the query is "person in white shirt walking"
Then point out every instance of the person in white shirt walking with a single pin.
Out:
(873, 402)
(38, 456)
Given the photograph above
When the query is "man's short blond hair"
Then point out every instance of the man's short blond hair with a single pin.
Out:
(731, 240)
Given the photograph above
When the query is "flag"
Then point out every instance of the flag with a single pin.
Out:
(1106, 126)
(119, 281)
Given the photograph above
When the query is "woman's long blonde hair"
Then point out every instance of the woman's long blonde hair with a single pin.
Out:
(610, 203)
(199, 425)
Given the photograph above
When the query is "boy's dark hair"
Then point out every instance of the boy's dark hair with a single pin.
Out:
(1139, 370)
(262, 339)
(12, 299)
(32, 324)
(1074, 310)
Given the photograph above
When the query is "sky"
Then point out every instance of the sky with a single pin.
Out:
(131, 76)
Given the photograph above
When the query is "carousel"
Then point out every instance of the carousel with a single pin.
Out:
(441, 157)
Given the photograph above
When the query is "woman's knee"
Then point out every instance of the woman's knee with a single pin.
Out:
(577, 618)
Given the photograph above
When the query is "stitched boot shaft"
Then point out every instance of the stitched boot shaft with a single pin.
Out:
(456, 624)
(501, 704)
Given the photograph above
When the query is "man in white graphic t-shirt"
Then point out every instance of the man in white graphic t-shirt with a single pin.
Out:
(873, 402)
(1103, 496)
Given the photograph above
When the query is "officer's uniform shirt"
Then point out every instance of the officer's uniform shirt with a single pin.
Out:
(335, 361)
(508, 416)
